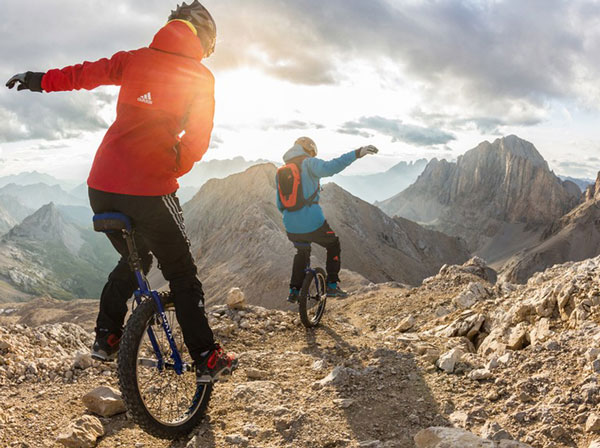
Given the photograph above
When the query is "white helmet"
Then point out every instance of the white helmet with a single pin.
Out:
(309, 146)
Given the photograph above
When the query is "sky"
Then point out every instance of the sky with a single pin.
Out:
(419, 79)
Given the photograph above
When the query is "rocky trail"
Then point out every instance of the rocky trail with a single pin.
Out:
(503, 362)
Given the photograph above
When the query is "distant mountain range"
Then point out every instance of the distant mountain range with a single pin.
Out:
(36, 195)
(238, 239)
(499, 200)
(380, 186)
(583, 184)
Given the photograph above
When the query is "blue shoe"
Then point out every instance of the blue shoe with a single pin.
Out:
(294, 294)
(333, 290)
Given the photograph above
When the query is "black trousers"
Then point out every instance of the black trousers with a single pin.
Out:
(159, 228)
(323, 236)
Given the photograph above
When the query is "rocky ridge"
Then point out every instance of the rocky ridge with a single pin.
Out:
(504, 362)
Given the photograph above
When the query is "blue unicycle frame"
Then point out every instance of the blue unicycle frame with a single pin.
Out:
(143, 290)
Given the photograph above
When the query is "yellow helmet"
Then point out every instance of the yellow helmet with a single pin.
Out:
(309, 146)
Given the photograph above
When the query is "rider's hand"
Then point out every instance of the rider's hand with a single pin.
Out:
(27, 81)
(365, 150)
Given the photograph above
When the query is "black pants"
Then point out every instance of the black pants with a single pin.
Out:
(323, 236)
(159, 228)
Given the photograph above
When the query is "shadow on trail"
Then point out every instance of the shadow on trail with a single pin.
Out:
(122, 428)
(380, 390)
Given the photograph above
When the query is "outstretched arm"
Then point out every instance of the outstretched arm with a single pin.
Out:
(88, 75)
(321, 168)
(198, 128)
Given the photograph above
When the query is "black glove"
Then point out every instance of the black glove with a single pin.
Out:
(365, 150)
(27, 81)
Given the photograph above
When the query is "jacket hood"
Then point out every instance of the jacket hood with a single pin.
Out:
(176, 37)
(293, 152)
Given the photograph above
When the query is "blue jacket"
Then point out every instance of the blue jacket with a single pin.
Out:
(310, 218)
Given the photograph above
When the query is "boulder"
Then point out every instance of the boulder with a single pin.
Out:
(104, 401)
(82, 433)
(448, 360)
(236, 300)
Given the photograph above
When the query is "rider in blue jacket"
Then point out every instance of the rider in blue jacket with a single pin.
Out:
(308, 225)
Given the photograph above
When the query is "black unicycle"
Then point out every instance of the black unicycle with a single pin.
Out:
(157, 376)
(313, 297)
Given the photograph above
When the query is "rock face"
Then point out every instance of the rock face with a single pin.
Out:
(238, 239)
(574, 237)
(504, 182)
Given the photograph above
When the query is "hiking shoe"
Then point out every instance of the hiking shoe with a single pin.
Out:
(215, 364)
(333, 290)
(106, 346)
(294, 294)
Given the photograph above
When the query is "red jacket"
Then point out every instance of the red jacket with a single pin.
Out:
(165, 90)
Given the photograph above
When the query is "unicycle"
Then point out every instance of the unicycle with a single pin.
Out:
(313, 297)
(156, 374)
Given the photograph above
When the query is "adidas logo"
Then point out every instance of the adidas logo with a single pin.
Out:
(146, 98)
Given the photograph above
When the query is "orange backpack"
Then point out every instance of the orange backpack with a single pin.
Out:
(289, 186)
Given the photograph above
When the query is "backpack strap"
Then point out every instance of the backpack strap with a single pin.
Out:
(311, 199)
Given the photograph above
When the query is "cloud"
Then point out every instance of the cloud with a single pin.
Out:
(576, 169)
(26, 115)
(470, 60)
(400, 132)
(291, 125)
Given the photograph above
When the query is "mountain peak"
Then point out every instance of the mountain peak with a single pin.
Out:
(521, 148)
(506, 149)
(47, 225)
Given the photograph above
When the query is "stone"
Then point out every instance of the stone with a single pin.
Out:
(592, 353)
(448, 360)
(440, 437)
(104, 401)
(493, 431)
(256, 374)
(236, 439)
(540, 332)
(344, 403)
(480, 374)
(336, 376)
(518, 337)
(82, 433)
(405, 324)
(83, 360)
(236, 299)
(474, 293)
(592, 423)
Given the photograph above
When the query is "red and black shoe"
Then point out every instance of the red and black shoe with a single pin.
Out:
(215, 364)
(106, 346)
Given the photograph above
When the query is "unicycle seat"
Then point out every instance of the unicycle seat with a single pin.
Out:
(112, 222)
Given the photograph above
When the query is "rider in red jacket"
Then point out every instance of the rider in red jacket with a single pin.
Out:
(164, 122)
